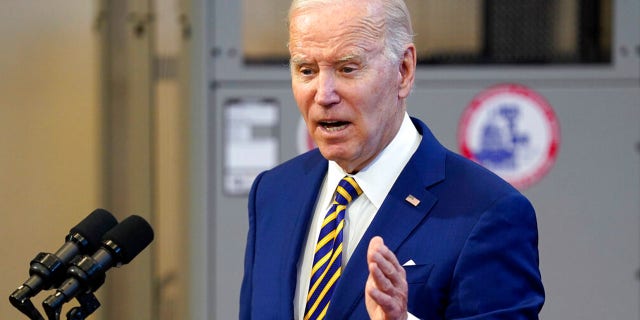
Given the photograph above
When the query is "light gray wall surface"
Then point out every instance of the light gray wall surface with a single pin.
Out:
(587, 206)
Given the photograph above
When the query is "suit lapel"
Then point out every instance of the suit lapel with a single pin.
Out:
(395, 220)
(296, 227)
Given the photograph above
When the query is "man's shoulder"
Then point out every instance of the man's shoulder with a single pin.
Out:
(479, 173)
(459, 172)
(299, 164)
(474, 184)
(307, 168)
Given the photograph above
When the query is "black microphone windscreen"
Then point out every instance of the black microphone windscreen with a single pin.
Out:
(131, 235)
(94, 226)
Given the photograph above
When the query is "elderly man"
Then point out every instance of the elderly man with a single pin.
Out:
(381, 221)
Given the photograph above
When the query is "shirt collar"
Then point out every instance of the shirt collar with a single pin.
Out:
(377, 178)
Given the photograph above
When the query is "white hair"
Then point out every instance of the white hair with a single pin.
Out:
(398, 32)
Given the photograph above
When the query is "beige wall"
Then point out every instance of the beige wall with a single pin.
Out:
(171, 164)
(50, 166)
(55, 162)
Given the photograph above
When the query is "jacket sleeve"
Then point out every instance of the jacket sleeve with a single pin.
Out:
(497, 274)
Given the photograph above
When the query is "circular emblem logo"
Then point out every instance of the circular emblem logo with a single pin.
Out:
(513, 131)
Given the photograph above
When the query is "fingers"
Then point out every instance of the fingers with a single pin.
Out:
(386, 288)
(384, 266)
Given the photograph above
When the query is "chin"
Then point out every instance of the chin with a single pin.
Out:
(333, 154)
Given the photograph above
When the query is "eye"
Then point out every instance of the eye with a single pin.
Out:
(348, 69)
(305, 71)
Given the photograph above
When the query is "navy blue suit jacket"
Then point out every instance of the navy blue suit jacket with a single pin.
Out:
(472, 236)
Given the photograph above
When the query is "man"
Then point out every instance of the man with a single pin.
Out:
(381, 221)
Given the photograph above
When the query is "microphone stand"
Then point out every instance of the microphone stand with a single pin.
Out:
(42, 267)
(88, 304)
(20, 302)
(53, 313)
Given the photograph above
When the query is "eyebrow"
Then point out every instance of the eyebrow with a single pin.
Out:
(349, 57)
(296, 61)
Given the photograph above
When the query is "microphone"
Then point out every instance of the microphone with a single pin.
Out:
(48, 270)
(87, 273)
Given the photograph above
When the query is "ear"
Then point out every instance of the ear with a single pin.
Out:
(407, 71)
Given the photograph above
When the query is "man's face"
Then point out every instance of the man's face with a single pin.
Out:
(350, 95)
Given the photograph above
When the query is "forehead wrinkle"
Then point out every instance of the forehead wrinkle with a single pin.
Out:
(352, 55)
(365, 33)
(340, 50)
(352, 44)
(368, 26)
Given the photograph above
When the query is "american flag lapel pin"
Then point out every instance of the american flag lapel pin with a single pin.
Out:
(413, 200)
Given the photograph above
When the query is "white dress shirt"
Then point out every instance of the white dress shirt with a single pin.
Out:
(375, 180)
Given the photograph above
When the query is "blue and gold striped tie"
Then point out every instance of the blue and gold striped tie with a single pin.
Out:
(327, 260)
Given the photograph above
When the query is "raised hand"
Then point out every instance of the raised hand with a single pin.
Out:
(386, 290)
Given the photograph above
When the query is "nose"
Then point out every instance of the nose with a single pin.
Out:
(326, 94)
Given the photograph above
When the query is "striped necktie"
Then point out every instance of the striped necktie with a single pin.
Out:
(327, 260)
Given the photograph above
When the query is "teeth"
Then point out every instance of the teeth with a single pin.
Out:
(338, 128)
(332, 126)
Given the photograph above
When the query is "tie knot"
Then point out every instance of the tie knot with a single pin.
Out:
(347, 191)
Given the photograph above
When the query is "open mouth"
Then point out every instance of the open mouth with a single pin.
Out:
(333, 125)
